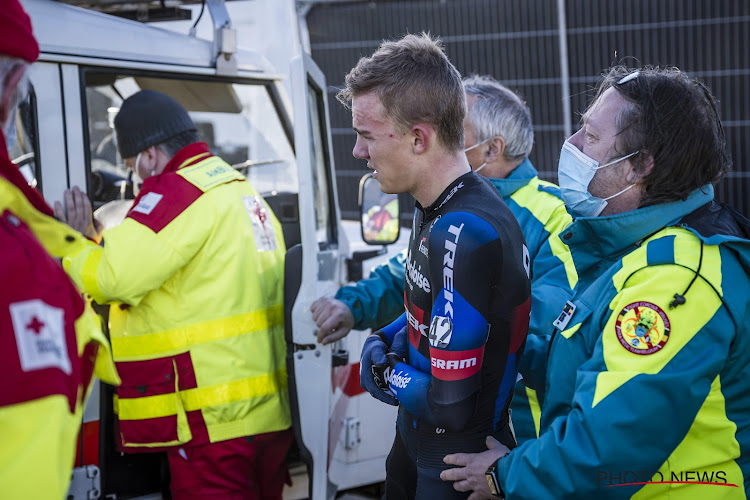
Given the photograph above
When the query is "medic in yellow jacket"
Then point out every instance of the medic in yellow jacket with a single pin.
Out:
(196, 325)
(50, 342)
(50, 346)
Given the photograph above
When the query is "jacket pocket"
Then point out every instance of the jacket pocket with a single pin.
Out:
(148, 404)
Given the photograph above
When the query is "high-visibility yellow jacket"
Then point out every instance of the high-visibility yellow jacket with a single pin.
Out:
(50, 343)
(196, 276)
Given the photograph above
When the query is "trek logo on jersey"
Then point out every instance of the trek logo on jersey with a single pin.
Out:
(456, 365)
(642, 328)
(416, 324)
(415, 277)
(148, 203)
(448, 261)
(441, 331)
(40, 336)
(414, 319)
(423, 247)
(450, 195)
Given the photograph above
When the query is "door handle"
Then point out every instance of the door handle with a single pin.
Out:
(339, 357)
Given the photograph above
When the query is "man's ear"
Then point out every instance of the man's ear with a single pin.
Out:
(152, 152)
(149, 158)
(497, 149)
(422, 136)
(159, 159)
(9, 86)
(634, 176)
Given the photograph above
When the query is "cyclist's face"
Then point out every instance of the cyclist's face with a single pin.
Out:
(382, 143)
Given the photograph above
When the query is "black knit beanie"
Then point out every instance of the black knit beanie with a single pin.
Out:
(148, 118)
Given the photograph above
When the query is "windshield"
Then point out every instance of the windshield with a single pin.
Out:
(238, 121)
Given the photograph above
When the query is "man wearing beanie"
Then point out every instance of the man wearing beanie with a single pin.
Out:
(195, 276)
(49, 340)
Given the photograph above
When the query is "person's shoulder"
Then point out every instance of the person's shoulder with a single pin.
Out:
(482, 200)
(717, 219)
(34, 284)
(163, 200)
(540, 202)
(540, 194)
(38, 348)
(210, 173)
(464, 226)
(672, 249)
(25, 259)
(547, 190)
(476, 194)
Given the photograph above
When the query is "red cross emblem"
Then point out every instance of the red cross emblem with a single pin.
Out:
(35, 325)
(260, 213)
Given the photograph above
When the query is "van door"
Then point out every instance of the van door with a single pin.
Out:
(312, 271)
(240, 118)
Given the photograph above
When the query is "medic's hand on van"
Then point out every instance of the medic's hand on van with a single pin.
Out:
(77, 214)
(334, 319)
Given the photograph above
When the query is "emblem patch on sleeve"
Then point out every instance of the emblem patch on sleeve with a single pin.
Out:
(642, 328)
(265, 234)
(40, 336)
(148, 203)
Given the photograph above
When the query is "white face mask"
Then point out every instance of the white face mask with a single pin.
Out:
(135, 166)
(476, 146)
(575, 171)
(480, 167)
(136, 177)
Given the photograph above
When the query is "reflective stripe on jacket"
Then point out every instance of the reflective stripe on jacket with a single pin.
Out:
(540, 211)
(196, 274)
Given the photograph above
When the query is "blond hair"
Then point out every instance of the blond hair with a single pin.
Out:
(416, 83)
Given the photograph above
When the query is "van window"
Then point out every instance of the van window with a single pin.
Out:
(325, 223)
(24, 148)
(237, 120)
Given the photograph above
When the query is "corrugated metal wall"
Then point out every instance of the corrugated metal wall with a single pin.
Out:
(518, 42)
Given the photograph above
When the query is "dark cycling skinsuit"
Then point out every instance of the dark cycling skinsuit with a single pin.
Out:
(467, 298)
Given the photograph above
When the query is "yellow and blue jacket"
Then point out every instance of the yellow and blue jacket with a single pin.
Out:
(538, 207)
(649, 369)
(195, 275)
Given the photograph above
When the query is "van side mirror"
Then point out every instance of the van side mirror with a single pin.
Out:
(379, 213)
